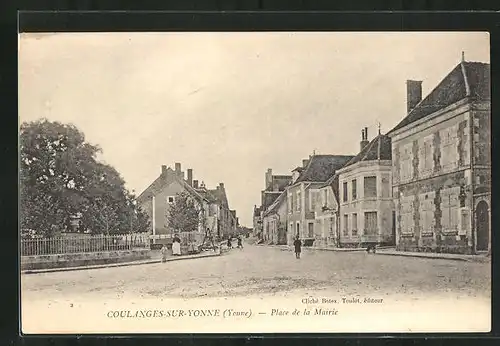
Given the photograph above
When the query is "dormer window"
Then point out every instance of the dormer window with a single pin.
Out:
(170, 199)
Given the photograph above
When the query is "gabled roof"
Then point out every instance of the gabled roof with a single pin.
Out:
(273, 207)
(220, 196)
(467, 79)
(321, 167)
(268, 198)
(378, 149)
(166, 178)
(333, 182)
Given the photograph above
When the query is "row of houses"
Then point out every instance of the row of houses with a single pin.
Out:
(157, 198)
(423, 186)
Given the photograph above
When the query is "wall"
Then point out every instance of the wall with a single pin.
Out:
(429, 212)
(326, 221)
(83, 259)
(383, 203)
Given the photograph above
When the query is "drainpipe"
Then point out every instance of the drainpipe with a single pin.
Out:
(473, 230)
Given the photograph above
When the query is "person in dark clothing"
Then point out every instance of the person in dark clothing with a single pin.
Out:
(298, 245)
(229, 245)
(240, 244)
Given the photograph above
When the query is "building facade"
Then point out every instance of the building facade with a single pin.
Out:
(301, 195)
(157, 198)
(274, 221)
(365, 189)
(442, 164)
(326, 214)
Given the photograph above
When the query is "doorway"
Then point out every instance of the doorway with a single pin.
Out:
(482, 226)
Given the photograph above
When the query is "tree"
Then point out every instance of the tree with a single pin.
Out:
(183, 215)
(60, 177)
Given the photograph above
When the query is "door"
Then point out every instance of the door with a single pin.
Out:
(482, 226)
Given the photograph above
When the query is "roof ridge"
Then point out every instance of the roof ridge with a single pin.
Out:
(466, 80)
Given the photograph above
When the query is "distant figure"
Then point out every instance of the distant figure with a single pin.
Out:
(229, 245)
(371, 247)
(176, 246)
(164, 253)
(298, 245)
(240, 244)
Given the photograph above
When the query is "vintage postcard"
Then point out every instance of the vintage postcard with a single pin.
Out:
(257, 182)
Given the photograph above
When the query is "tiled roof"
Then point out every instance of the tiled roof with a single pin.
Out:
(273, 207)
(333, 181)
(321, 167)
(219, 195)
(378, 149)
(269, 198)
(466, 79)
(165, 179)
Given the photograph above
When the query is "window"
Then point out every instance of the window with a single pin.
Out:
(297, 206)
(312, 200)
(298, 228)
(450, 210)
(346, 220)
(405, 163)
(345, 191)
(354, 190)
(290, 203)
(370, 187)
(310, 228)
(325, 198)
(371, 223)
(355, 224)
(170, 199)
(426, 156)
(449, 142)
(427, 214)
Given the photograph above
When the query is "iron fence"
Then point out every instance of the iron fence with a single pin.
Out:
(82, 244)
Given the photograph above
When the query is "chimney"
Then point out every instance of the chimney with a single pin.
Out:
(190, 177)
(413, 94)
(178, 167)
(364, 138)
(305, 162)
(195, 184)
(163, 169)
(269, 178)
(221, 185)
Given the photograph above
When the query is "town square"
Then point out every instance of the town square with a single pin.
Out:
(244, 175)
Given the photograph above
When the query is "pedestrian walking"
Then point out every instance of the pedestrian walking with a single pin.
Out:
(164, 253)
(240, 244)
(229, 245)
(298, 245)
(176, 246)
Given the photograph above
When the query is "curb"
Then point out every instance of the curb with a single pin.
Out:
(463, 259)
(112, 265)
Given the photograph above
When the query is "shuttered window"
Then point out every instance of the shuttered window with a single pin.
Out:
(370, 185)
(371, 222)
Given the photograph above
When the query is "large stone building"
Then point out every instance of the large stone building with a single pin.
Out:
(442, 164)
(366, 204)
(301, 194)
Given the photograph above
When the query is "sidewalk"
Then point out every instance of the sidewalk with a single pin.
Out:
(447, 256)
(155, 259)
(390, 251)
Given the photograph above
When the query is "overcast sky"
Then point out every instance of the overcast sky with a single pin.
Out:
(229, 105)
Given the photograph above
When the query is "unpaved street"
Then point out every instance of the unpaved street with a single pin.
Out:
(257, 270)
